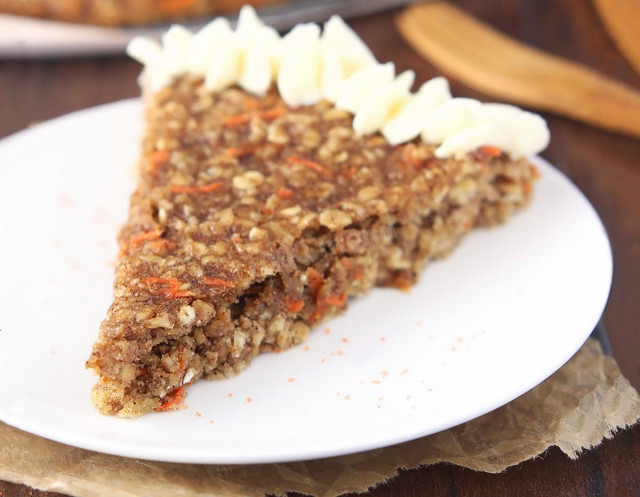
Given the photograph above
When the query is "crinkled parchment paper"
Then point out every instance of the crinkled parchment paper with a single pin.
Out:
(587, 400)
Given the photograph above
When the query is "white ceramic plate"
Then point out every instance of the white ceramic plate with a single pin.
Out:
(506, 310)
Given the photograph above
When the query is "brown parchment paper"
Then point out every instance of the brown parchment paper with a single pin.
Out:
(587, 400)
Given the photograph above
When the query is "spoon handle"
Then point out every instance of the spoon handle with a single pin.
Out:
(488, 61)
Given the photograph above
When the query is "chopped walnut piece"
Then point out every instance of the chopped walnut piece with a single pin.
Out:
(334, 219)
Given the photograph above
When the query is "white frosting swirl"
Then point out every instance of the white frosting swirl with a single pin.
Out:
(308, 65)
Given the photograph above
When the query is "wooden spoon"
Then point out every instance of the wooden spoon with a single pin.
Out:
(622, 20)
(484, 59)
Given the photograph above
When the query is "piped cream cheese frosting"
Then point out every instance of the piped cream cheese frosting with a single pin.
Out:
(310, 64)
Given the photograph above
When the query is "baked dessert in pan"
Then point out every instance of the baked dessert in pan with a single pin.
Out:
(123, 12)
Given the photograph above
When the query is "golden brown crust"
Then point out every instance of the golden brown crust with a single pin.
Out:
(253, 221)
(123, 12)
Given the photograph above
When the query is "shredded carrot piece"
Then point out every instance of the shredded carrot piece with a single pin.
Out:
(527, 187)
(217, 282)
(351, 172)
(183, 294)
(271, 114)
(293, 305)
(255, 103)
(157, 280)
(468, 225)
(161, 246)
(144, 236)
(490, 150)
(246, 117)
(346, 262)
(336, 300)
(318, 313)
(315, 280)
(535, 172)
(408, 155)
(240, 152)
(314, 166)
(172, 400)
(212, 187)
(169, 287)
(402, 283)
(358, 274)
(158, 158)
(182, 364)
(284, 193)
(252, 103)
(138, 239)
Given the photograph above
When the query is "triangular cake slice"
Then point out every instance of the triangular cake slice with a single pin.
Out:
(279, 178)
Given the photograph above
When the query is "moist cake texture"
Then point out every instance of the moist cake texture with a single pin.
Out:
(253, 222)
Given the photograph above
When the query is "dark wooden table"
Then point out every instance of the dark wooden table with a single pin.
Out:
(605, 166)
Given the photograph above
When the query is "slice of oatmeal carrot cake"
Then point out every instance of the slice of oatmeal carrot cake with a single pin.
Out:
(279, 177)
